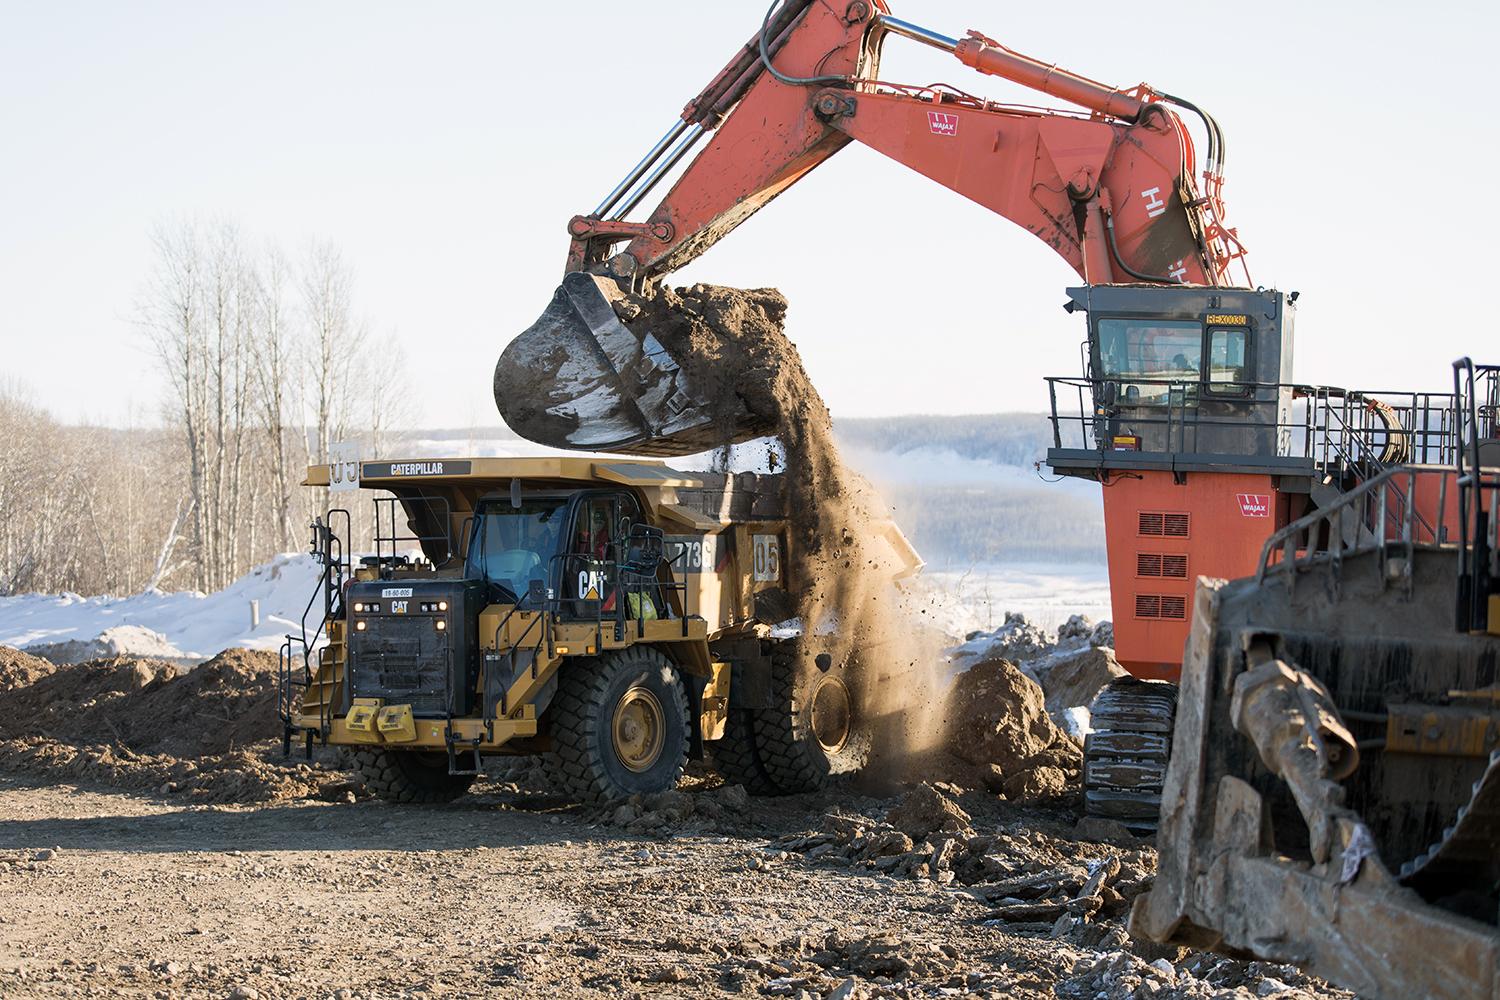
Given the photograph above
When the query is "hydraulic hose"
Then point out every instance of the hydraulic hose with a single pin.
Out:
(765, 56)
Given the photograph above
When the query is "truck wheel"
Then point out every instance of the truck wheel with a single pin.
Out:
(409, 776)
(737, 758)
(813, 734)
(619, 725)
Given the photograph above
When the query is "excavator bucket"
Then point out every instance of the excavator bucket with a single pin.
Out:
(580, 378)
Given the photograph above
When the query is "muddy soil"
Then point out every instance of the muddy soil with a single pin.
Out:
(153, 843)
(208, 733)
(521, 895)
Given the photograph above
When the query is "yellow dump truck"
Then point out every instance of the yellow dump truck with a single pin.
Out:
(617, 616)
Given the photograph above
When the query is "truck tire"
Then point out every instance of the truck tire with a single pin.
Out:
(736, 756)
(619, 726)
(408, 776)
(812, 736)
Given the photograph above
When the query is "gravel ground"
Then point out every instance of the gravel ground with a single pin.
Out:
(511, 894)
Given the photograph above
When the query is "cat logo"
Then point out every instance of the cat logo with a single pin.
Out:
(589, 583)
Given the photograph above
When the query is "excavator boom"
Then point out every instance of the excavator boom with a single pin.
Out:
(1110, 188)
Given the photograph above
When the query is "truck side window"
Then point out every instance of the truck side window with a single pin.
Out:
(1228, 367)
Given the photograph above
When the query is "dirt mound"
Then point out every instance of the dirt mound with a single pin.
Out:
(18, 669)
(210, 732)
(150, 706)
(998, 721)
(924, 811)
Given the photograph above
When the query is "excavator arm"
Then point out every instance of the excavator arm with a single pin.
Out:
(1111, 188)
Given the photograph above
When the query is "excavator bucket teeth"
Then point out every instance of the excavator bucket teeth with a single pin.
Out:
(579, 378)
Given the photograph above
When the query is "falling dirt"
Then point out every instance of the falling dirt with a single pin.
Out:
(208, 733)
(731, 341)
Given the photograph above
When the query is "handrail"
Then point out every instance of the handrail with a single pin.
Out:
(1338, 429)
(1298, 543)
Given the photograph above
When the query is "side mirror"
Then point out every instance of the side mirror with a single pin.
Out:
(644, 548)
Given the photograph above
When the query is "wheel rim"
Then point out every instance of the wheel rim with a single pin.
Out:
(638, 729)
(832, 715)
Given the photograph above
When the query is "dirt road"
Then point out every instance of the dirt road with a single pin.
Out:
(512, 895)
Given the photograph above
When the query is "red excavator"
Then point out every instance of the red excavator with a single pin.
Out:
(1115, 189)
(1186, 413)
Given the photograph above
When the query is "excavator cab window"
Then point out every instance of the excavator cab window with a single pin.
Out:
(1148, 356)
(1228, 371)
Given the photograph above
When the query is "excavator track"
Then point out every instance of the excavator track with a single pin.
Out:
(1125, 757)
(1467, 855)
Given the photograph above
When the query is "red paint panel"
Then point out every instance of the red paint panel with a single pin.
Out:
(1153, 523)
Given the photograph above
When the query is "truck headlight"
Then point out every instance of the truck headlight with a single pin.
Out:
(441, 625)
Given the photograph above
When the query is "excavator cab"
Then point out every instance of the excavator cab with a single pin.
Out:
(1189, 370)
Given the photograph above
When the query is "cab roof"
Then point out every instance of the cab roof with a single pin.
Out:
(559, 470)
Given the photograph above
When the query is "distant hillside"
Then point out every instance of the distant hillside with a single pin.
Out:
(1002, 438)
(964, 489)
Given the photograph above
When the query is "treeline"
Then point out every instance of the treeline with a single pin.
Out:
(265, 361)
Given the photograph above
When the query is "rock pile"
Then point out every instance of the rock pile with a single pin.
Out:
(1120, 975)
(674, 811)
(1023, 878)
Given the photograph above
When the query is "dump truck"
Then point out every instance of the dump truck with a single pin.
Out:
(616, 616)
(1333, 794)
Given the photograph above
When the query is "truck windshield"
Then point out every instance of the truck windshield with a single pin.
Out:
(513, 546)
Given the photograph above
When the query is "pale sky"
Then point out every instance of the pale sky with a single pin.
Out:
(444, 146)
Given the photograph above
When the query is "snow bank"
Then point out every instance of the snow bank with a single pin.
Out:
(185, 624)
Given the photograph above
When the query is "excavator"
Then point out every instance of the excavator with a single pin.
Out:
(1114, 188)
(1208, 451)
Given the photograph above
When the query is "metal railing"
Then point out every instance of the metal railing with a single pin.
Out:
(1379, 514)
(330, 549)
(1476, 388)
(1338, 430)
(387, 538)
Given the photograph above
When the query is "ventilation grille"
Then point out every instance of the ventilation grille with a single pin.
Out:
(1161, 606)
(1161, 564)
(1160, 524)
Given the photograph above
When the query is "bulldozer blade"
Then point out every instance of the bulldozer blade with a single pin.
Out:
(579, 378)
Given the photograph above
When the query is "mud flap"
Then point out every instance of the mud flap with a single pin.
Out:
(579, 378)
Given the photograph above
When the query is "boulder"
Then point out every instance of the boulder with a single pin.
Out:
(997, 715)
(1074, 681)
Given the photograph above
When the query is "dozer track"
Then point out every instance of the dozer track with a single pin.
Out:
(1468, 853)
(1125, 757)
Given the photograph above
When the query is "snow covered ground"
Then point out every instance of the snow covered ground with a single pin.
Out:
(186, 624)
(979, 598)
(191, 625)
